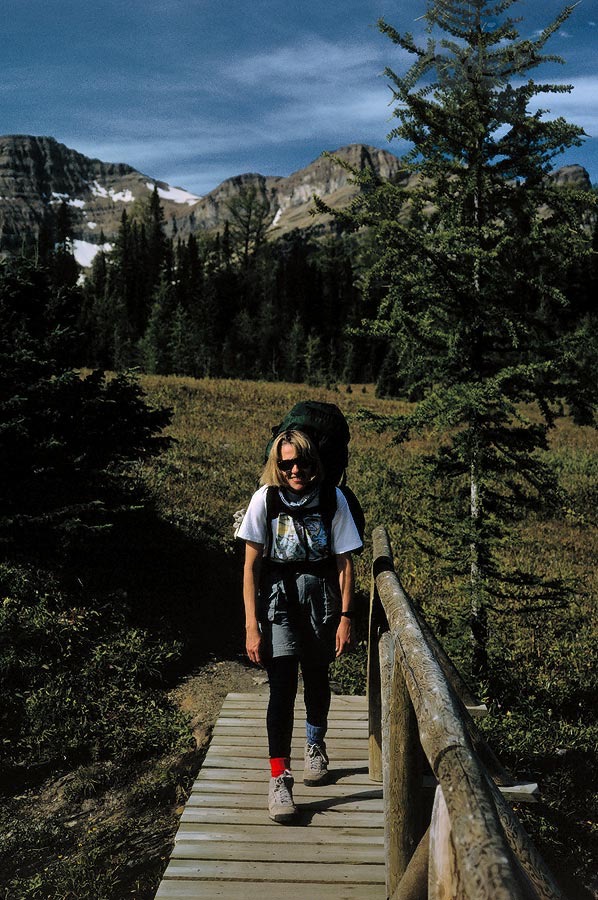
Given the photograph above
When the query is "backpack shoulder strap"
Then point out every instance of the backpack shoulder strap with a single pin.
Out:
(327, 504)
(271, 513)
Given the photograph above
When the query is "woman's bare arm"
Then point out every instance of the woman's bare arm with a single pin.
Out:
(344, 564)
(251, 580)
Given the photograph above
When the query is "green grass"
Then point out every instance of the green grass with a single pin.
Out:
(172, 595)
(543, 671)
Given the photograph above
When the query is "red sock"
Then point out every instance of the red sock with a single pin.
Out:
(278, 764)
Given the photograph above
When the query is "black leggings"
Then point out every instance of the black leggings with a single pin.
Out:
(283, 673)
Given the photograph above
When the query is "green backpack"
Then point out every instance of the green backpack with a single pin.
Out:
(327, 427)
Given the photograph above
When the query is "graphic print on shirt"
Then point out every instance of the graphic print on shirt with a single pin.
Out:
(300, 539)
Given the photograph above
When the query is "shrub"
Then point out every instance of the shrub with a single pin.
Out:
(81, 684)
(64, 439)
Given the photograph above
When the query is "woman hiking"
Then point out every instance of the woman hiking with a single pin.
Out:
(298, 595)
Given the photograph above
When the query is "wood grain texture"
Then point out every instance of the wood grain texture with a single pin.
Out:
(401, 766)
(226, 845)
(374, 689)
(487, 867)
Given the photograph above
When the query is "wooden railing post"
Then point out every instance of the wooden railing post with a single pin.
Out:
(401, 766)
(475, 844)
(487, 869)
(373, 690)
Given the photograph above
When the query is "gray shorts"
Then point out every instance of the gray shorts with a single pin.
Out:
(299, 615)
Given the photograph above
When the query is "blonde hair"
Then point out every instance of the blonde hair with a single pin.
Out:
(305, 450)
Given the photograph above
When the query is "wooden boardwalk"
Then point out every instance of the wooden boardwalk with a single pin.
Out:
(227, 847)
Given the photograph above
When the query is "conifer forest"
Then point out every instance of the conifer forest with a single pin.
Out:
(464, 307)
(230, 304)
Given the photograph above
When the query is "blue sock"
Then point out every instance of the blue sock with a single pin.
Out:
(315, 734)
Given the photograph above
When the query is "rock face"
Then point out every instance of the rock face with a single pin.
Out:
(572, 176)
(290, 199)
(38, 175)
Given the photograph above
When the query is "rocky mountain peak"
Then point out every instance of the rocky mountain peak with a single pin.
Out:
(39, 174)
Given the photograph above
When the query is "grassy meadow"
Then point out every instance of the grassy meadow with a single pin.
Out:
(543, 682)
(104, 756)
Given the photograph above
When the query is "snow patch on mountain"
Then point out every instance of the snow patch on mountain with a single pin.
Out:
(65, 198)
(118, 196)
(85, 252)
(177, 195)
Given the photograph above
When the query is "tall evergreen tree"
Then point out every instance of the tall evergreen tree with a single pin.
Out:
(155, 348)
(249, 218)
(291, 352)
(64, 439)
(471, 264)
(158, 249)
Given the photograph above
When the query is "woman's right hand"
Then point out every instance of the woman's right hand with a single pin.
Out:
(251, 580)
(253, 644)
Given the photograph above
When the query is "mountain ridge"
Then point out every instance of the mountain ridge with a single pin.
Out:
(38, 174)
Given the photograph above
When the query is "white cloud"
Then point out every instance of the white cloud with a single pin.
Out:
(327, 116)
(580, 106)
(314, 59)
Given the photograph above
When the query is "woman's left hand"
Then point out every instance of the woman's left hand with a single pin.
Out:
(343, 636)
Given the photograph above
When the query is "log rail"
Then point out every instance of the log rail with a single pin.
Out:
(470, 844)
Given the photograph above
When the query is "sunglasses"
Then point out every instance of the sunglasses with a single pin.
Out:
(285, 465)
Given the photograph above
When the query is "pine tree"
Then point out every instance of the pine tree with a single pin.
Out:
(64, 439)
(249, 218)
(155, 348)
(313, 363)
(291, 352)
(157, 249)
(471, 266)
(182, 347)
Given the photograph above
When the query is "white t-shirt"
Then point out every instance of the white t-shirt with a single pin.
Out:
(344, 537)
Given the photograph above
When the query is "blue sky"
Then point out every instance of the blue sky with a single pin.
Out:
(194, 91)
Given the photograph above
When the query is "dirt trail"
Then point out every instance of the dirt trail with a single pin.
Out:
(200, 695)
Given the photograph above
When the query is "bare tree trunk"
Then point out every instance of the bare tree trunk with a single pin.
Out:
(478, 614)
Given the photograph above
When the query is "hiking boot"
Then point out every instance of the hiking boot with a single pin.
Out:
(280, 798)
(316, 765)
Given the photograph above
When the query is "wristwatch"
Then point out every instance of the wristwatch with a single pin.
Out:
(348, 614)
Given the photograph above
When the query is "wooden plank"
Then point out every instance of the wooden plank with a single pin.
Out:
(255, 712)
(255, 801)
(334, 725)
(226, 845)
(477, 711)
(238, 762)
(358, 776)
(274, 833)
(257, 752)
(330, 818)
(271, 853)
(320, 873)
(231, 890)
(258, 696)
(257, 732)
(528, 792)
(363, 792)
(298, 744)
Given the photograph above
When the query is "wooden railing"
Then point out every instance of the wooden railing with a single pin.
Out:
(450, 833)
